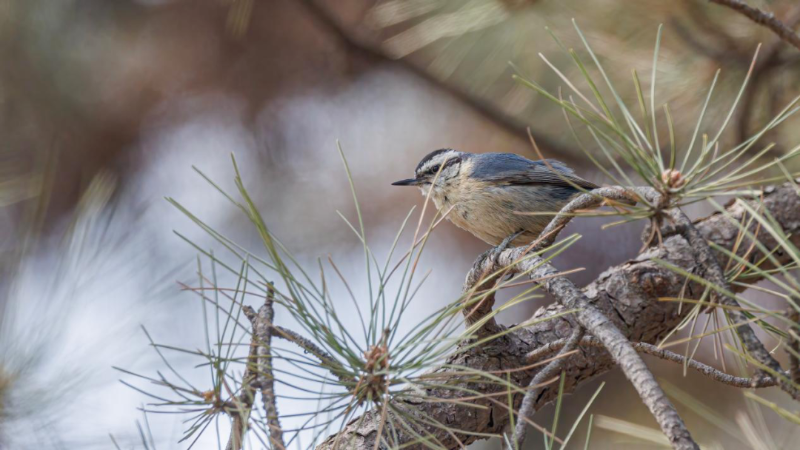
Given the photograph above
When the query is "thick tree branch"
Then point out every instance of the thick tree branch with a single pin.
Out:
(764, 19)
(627, 294)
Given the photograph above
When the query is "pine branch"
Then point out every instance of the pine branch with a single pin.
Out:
(628, 295)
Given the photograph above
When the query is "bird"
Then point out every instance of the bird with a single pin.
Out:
(489, 194)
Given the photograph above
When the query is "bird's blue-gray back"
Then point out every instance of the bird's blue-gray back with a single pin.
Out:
(509, 168)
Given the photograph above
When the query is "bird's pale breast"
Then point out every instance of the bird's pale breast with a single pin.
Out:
(493, 212)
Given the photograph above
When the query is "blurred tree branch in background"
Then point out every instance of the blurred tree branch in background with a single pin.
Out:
(774, 57)
(783, 30)
(325, 17)
(449, 40)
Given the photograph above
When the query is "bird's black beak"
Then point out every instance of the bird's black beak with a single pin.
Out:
(407, 182)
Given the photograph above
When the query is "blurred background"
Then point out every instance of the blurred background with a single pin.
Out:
(105, 106)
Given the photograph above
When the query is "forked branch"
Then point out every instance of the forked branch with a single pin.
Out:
(264, 377)
(258, 376)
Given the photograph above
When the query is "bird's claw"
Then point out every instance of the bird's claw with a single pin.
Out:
(495, 252)
(486, 263)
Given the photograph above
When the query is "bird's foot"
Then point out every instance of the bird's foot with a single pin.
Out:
(485, 265)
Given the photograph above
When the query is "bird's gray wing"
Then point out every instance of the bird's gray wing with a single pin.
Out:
(511, 169)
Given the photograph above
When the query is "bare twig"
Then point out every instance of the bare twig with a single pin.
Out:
(794, 347)
(763, 18)
(326, 359)
(478, 308)
(240, 409)
(650, 349)
(265, 379)
(257, 375)
(552, 369)
(480, 275)
(612, 195)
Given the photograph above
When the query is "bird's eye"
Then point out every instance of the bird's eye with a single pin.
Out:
(435, 169)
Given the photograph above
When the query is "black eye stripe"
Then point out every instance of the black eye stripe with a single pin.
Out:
(450, 162)
(437, 167)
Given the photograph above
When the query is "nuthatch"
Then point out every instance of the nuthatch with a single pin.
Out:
(488, 191)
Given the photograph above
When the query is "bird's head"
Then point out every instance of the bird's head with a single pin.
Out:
(437, 170)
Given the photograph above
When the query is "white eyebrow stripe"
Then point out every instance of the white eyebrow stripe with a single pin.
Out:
(437, 160)
(427, 166)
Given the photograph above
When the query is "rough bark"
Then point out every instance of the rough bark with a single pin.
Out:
(628, 294)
